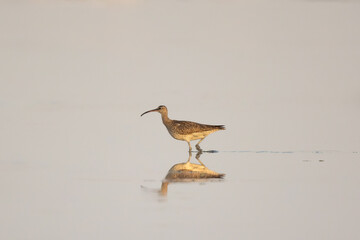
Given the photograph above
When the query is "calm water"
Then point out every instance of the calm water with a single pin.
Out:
(78, 162)
(263, 195)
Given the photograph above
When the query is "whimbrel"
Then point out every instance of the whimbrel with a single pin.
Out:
(186, 130)
(188, 172)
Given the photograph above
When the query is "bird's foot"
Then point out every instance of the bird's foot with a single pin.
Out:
(199, 148)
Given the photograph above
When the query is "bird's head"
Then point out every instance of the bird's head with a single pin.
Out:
(161, 109)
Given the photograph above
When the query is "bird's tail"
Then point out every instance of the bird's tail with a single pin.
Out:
(220, 127)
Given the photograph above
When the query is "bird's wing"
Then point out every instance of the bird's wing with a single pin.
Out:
(187, 127)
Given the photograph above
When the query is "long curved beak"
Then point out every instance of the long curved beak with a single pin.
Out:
(154, 110)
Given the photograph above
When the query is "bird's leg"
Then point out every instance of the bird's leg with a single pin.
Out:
(198, 158)
(189, 146)
(190, 155)
(198, 146)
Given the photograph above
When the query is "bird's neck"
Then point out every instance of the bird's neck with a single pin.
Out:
(166, 120)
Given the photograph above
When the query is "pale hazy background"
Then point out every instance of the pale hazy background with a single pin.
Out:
(283, 76)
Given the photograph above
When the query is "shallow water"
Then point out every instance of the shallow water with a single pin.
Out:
(78, 162)
(263, 195)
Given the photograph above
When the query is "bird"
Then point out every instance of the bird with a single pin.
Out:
(185, 130)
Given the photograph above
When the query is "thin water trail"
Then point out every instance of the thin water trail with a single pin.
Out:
(286, 151)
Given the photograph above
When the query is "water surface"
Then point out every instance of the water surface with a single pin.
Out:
(78, 162)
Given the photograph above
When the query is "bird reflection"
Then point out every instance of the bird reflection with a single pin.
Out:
(188, 172)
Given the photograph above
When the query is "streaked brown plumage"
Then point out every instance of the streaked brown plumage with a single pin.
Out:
(186, 130)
